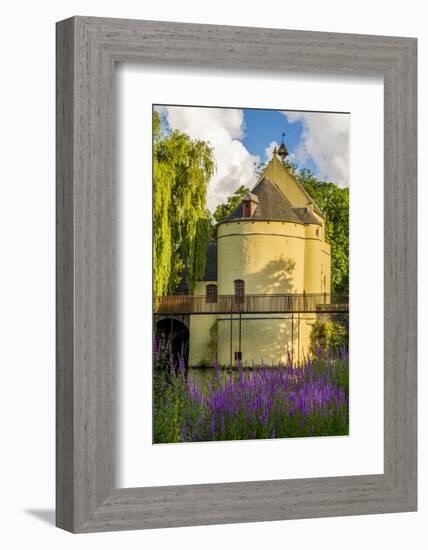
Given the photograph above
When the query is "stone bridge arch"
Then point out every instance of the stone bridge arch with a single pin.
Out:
(185, 319)
(172, 334)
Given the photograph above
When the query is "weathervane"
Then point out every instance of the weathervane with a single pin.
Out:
(282, 151)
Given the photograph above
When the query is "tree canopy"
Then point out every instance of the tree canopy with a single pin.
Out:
(223, 210)
(182, 168)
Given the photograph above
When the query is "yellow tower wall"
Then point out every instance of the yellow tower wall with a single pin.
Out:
(313, 267)
(317, 262)
(271, 258)
(326, 266)
(268, 256)
(264, 339)
(203, 334)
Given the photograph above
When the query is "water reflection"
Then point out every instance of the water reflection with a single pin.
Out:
(200, 376)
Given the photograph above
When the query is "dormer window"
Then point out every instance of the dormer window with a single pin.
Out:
(247, 209)
(249, 205)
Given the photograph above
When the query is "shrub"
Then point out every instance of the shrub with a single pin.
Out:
(328, 336)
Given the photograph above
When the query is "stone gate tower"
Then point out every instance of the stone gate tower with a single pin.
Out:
(273, 243)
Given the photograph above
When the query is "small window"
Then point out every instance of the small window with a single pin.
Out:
(317, 232)
(239, 291)
(211, 294)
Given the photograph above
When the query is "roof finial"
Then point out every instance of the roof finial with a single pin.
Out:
(282, 151)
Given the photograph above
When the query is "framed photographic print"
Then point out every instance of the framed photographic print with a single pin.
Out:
(250, 339)
(236, 274)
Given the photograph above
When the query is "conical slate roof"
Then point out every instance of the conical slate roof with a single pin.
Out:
(272, 205)
(306, 216)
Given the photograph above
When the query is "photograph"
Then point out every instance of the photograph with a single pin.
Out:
(250, 274)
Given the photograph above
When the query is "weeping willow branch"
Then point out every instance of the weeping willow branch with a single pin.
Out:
(182, 168)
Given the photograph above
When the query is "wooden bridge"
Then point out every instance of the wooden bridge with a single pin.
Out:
(251, 303)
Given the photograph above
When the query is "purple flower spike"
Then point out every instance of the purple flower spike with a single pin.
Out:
(216, 368)
(279, 401)
(171, 363)
(181, 365)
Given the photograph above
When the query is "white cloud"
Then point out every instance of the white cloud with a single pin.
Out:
(324, 139)
(223, 128)
(269, 149)
(269, 152)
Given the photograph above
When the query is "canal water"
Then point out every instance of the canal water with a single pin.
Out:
(200, 376)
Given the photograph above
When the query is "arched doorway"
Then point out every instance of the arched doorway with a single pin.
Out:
(173, 338)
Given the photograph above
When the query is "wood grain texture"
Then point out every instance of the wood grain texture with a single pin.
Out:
(64, 277)
(87, 49)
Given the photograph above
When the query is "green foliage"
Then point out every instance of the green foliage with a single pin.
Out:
(165, 272)
(223, 210)
(170, 405)
(334, 202)
(182, 168)
(327, 336)
(198, 254)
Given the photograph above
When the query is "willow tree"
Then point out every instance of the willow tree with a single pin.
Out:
(182, 168)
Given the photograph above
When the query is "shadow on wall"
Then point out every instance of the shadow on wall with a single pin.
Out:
(266, 341)
(275, 278)
(261, 339)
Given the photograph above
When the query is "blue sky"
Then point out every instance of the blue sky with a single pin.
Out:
(264, 126)
(243, 138)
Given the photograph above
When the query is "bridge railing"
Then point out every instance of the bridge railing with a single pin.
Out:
(251, 303)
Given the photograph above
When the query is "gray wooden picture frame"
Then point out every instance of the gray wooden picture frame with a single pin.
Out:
(87, 50)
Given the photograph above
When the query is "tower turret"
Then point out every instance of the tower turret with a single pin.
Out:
(282, 151)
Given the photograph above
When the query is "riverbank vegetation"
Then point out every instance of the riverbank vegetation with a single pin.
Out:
(310, 399)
